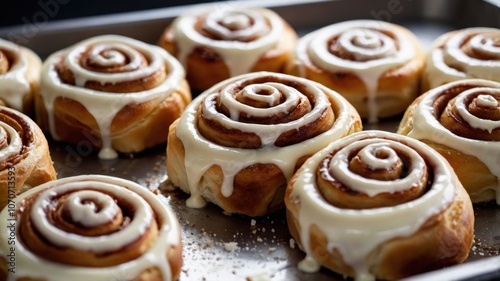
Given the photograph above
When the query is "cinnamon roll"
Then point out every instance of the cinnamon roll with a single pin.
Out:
(375, 65)
(19, 75)
(216, 42)
(90, 228)
(116, 92)
(461, 120)
(378, 205)
(463, 54)
(239, 143)
(25, 160)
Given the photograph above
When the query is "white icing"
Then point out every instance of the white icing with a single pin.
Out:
(238, 56)
(14, 145)
(472, 120)
(141, 222)
(203, 154)
(13, 84)
(33, 266)
(426, 126)
(356, 233)
(268, 134)
(104, 106)
(449, 63)
(339, 167)
(377, 53)
(86, 213)
(487, 101)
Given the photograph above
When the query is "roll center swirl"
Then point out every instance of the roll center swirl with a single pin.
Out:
(91, 208)
(377, 167)
(486, 45)
(235, 25)
(366, 44)
(478, 107)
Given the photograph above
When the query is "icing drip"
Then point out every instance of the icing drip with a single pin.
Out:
(33, 266)
(245, 35)
(449, 62)
(426, 126)
(366, 41)
(12, 142)
(107, 50)
(13, 84)
(203, 154)
(366, 229)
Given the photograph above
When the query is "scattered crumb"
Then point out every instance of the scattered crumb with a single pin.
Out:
(292, 243)
(253, 222)
(231, 246)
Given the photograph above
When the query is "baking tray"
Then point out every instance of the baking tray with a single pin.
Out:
(218, 246)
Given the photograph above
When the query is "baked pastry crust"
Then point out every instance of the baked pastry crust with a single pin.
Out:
(239, 142)
(95, 228)
(370, 242)
(19, 76)
(460, 121)
(117, 93)
(462, 54)
(217, 42)
(375, 65)
(26, 160)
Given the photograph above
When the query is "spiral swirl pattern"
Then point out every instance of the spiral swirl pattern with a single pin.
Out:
(333, 188)
(102, 224)
(250, 106)
(366, 48)
(105, 74)
(239, 36)
(263, 118)
(467, 53)
(235, 25)
(19, 73)
(463, 115)
(24, 155)
(16, 137)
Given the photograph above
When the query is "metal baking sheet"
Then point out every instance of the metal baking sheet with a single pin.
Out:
(218, 246)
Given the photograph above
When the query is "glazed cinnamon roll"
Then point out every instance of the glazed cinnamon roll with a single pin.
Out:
(216, 42)
(463, 54)
(461, 120)
(115, 92)
(19, 76)
(25, 160)
(90, 228)
(375, 65)
(239, 143)
(377, 205)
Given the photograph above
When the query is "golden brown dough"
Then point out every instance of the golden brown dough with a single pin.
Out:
(462, 54)
(375, 65)
(461, 121)
(117, 93)
(217, 42)
(239, 143)
(382, 241)
(95, 227)
(25, 160)
(19, 76)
